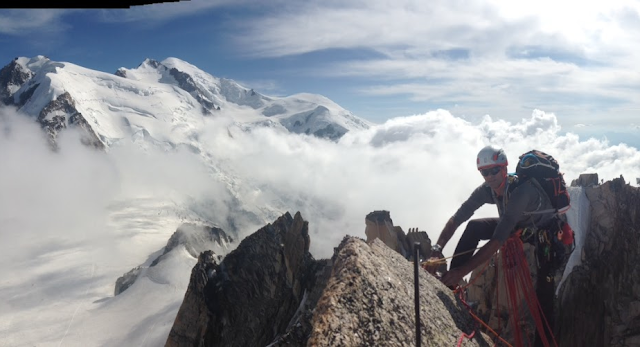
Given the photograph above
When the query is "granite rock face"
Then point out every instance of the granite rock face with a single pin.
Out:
(127, 280)
(193, 317)
(369, 301)
(251, 297)
(601, 297)
(379, 225)
(61, 113)
(586, 180)
(12, 77)
(195, 239)
(271, 292)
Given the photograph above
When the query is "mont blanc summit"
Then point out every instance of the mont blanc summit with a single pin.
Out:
(163, 102)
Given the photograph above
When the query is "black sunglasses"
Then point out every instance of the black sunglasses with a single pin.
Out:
(491, 171)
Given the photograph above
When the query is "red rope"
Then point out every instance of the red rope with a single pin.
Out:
(473, 333)
(459, 290)
(509, 267)
(469, 337)
(478, 320)
(497, 275)
(518, 280)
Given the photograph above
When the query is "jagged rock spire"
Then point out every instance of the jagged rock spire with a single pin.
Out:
(270, 291)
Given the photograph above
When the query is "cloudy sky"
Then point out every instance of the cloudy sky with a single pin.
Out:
(379, 59)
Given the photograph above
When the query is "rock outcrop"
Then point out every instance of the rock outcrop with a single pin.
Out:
(196, 239)
(369, 301)
(271, 292)
(586, 180)
(60, 113)
(127, 280)
(379, 225)
(186, 82)
(600, 298)
(251, 297)
(12, 77)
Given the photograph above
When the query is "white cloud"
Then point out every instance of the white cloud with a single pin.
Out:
(410, 27)
(44, 194)
(24, 22)
(420, 168)
(390, 27)
(73, 221)
(263, 86)
(165, 11)
(576, 59)
(81, 195)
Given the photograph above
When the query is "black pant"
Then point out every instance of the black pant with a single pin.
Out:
(482, 229)
(545, 293)
(476, 230)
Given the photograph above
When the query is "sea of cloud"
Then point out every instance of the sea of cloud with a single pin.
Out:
(420, 168)
(74, 220)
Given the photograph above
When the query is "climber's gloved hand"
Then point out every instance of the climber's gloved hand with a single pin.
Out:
(434, 262)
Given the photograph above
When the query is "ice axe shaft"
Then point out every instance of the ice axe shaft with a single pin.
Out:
(416, 266)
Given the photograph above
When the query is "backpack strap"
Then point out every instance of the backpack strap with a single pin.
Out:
(543, 196)
(541, 212)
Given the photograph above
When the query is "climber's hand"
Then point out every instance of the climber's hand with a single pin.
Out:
(453, 277)
(432, 264)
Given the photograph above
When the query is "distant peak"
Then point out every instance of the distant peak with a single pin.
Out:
(150, 62)
(34, 64)
(181, 65)
(174, 60)
(39, 58)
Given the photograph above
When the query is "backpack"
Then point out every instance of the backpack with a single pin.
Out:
(546, 171)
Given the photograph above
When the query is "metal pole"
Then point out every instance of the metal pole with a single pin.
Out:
(416, 266)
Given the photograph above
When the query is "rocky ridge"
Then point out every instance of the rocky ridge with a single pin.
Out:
(195, 239)
(270, 291)
(363, 295)
(13, 76)
(600, 298)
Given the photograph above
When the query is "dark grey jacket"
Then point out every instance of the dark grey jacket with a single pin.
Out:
(514, 211)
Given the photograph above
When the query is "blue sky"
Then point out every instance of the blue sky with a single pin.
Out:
(377, 58)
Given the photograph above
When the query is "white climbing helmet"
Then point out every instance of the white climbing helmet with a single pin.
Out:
(491, 156)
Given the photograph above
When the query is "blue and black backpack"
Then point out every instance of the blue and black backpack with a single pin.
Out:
(546, 171)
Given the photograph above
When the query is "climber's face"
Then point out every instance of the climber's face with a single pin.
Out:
(494, 176)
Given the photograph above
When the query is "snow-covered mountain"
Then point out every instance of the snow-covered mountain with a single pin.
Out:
(172, 111)
(161, 101)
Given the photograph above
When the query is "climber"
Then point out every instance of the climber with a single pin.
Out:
(514, 207)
